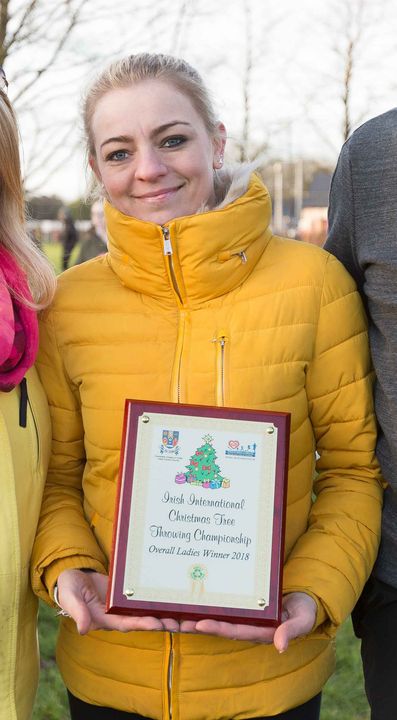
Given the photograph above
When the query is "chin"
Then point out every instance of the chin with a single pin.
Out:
(158, 216)
(161, 218)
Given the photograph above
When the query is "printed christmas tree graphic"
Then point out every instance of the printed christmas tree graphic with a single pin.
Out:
(202, 469)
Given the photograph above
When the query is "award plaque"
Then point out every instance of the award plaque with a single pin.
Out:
(199, 524)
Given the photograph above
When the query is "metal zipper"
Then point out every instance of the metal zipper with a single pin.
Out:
(170, 672)
(179, 349)
(168, 252)
(220, 341)
(166, 240)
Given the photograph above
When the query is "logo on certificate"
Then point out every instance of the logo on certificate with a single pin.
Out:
(236, 450)
(170, 443)
(197, 575)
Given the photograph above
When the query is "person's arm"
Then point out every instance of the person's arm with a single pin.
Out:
(65, 546)
(327, 568)
(333, 558)
(341, 240)
(64, 539)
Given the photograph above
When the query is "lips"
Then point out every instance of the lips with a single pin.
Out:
(158, 194)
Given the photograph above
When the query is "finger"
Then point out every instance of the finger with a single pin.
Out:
(170, 624)
(79, 612)
(188, 626)
(251, 633)
(126, 623)
(289, 630)
(281, 638)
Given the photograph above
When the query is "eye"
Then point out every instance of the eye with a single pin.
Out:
(117, 155)
(174, 141)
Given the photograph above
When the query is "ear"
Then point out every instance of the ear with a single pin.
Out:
(219, 146)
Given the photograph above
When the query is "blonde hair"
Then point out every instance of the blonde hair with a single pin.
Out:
(146, 66)
(13, 234)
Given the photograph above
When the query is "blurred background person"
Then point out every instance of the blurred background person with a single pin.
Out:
(27, 284)
(94, 241)
(68, 237)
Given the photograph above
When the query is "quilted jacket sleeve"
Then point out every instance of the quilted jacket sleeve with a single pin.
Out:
(333, 559)
(64, 538)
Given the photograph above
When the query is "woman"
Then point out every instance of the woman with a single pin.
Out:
(26, 284)
(193, 266)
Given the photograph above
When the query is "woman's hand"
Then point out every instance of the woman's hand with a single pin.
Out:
(298, 618)
(82, 596)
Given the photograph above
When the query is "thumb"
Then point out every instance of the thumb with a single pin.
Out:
(285, 632)
(299, 614)
(76, 607)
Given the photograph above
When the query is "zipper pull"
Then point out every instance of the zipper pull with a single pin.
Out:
(166, 241)
(226, 255)
(221, 339)
(23, 403)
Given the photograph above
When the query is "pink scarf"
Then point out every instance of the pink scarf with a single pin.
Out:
(18, 325)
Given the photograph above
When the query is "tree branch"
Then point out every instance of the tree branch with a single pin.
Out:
(56, 51)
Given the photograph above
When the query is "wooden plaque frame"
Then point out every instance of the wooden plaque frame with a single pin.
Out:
(132, 557)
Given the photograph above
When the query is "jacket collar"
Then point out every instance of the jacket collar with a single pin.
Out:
(212, 252)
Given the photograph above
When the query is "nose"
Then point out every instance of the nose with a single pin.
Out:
(149, 165)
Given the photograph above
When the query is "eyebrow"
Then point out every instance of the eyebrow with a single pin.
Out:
(154, 133)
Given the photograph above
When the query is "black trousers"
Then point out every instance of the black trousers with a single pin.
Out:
(375, 622)
(81, 711)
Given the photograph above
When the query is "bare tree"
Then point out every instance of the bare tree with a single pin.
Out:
(357, 71)
(246, 81)
(34, 39)
(257, 30)
(31, 25)
(352, 31)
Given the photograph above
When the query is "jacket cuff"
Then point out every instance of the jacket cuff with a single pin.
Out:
(51, 573)
(321, 614)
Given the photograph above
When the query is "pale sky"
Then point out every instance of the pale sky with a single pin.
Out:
(295, 88)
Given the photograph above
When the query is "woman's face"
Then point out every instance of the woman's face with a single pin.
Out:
(153, 153)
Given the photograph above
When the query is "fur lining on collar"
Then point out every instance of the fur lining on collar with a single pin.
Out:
(230, 183)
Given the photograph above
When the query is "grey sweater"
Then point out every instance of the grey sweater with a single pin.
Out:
(363, 235)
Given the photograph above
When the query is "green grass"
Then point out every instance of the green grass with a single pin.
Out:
(54, 254)
(343, 697)
(51, 702)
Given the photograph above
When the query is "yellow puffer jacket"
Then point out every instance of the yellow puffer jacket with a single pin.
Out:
(239, 317)
(24, 453)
